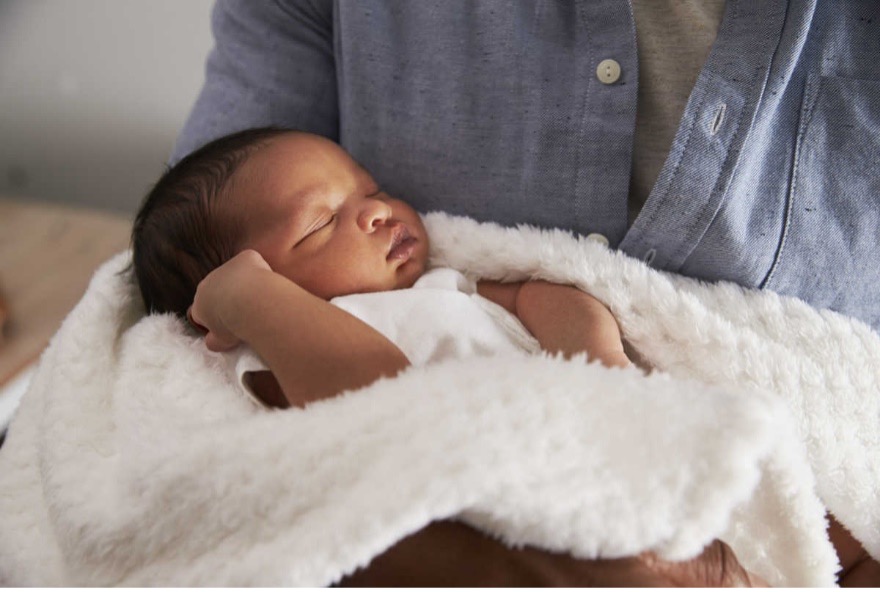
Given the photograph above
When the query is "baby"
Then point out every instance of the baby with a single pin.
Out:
(254, 234)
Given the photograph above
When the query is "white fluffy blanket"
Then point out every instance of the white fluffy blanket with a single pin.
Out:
(134, 459)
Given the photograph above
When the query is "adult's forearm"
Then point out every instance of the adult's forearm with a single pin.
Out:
(272, 64)
(452, 554)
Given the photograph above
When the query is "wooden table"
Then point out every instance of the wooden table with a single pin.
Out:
(48, 253)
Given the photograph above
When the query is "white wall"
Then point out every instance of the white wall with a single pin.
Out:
(93, 93)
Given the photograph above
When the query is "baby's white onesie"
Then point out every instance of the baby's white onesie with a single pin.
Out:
(439, 318)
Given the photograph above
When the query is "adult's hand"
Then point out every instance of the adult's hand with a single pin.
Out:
(453, 554)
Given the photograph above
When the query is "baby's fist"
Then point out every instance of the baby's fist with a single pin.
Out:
(218, 297)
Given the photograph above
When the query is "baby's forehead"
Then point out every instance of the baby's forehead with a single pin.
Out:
(296, 171)
(315, 154)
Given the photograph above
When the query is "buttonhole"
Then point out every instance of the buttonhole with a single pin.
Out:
(718, 119)
(649, 256)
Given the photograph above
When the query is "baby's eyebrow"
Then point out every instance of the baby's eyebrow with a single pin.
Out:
(366, 179)
(305, 194)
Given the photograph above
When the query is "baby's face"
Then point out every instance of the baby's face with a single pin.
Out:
(320, 220)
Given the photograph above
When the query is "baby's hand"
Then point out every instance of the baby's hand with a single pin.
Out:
(219, 296)
(565, 319)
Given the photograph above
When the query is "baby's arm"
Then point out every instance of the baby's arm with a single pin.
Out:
(562, 318)
(314, 349)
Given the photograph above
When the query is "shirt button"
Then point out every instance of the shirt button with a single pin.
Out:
(608, 71)
(598, 238)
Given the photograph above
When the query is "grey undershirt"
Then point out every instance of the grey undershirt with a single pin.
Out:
(674, 38)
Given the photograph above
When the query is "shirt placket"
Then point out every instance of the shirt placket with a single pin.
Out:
(692, 183)
(607, 119)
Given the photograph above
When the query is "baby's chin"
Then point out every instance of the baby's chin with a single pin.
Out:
(402, 280)
(409, 274)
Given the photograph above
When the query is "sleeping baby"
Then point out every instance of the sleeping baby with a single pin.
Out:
(279, 240)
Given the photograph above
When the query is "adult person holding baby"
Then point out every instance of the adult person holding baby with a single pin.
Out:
(725, 141)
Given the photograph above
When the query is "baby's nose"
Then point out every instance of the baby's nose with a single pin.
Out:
(374, 214)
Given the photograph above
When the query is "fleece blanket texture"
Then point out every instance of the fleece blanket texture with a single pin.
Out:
(134, 459)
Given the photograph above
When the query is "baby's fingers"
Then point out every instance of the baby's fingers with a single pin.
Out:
(194, 323)
(213, 341)
(218, 343)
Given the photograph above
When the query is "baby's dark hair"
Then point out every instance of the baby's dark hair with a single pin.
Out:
(185, 228)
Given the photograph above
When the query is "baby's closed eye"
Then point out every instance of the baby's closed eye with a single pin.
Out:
(320, 225)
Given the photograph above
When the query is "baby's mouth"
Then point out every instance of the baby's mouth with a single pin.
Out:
(402, 243)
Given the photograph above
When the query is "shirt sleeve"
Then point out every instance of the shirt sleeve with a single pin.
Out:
(239, 362)
(272, 64)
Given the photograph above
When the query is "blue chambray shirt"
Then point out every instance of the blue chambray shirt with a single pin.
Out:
(493, 109)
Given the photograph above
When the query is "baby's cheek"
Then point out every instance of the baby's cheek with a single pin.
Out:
(321, 284)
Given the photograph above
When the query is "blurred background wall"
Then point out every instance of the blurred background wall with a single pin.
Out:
(93, 93)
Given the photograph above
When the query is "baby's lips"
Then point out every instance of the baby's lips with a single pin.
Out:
(193, 323)
(399, 234)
